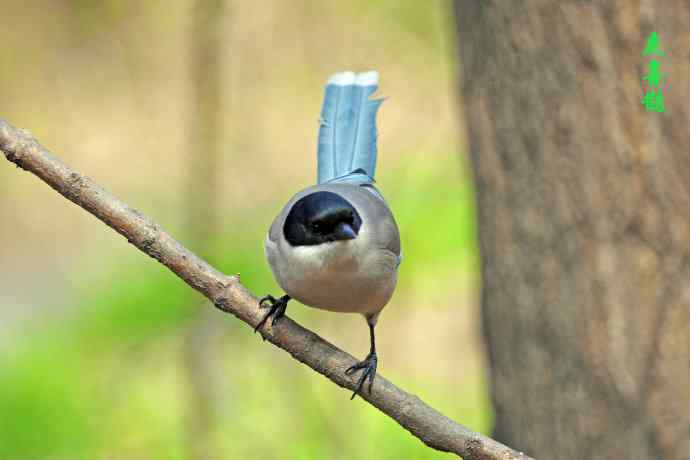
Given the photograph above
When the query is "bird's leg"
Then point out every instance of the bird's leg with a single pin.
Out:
(276, 311)
(368, 366)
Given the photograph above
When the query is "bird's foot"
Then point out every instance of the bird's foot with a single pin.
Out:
(368, 367)
(276, 310)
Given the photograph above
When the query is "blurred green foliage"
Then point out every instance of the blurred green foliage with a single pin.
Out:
(71, 392)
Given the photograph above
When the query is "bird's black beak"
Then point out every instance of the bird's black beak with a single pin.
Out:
(344, 231)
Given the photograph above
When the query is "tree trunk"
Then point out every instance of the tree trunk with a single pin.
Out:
(201, 360)
(584, 228)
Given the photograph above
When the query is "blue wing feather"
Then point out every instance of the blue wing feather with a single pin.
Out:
(347, 132)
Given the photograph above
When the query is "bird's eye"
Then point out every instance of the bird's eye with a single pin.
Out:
(315, 226)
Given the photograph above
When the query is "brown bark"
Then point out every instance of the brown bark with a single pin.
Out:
(584, 227)
(227, 294)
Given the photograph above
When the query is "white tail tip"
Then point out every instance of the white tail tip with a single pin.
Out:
(367, 78)
(350, 78)
(342, 79)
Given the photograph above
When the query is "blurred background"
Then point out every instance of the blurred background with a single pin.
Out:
(203, 115)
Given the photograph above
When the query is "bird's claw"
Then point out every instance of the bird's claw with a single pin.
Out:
(368, 373)
(276, 310)
(270, 298)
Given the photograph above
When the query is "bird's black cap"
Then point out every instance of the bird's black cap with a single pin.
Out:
(321, 217)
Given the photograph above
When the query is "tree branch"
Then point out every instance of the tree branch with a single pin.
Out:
(433, 428)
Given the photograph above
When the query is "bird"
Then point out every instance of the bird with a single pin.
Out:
(336, 245)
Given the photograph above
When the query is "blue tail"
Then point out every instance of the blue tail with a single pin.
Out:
(347, 135)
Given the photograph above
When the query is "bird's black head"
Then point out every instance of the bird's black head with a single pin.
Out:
(321, 217)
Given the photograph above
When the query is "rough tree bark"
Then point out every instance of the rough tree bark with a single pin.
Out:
(584, 205)
(227, 294)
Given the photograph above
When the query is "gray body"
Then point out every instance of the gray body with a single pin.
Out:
(357, 275)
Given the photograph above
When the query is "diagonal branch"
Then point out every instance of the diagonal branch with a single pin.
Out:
(433, 428)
